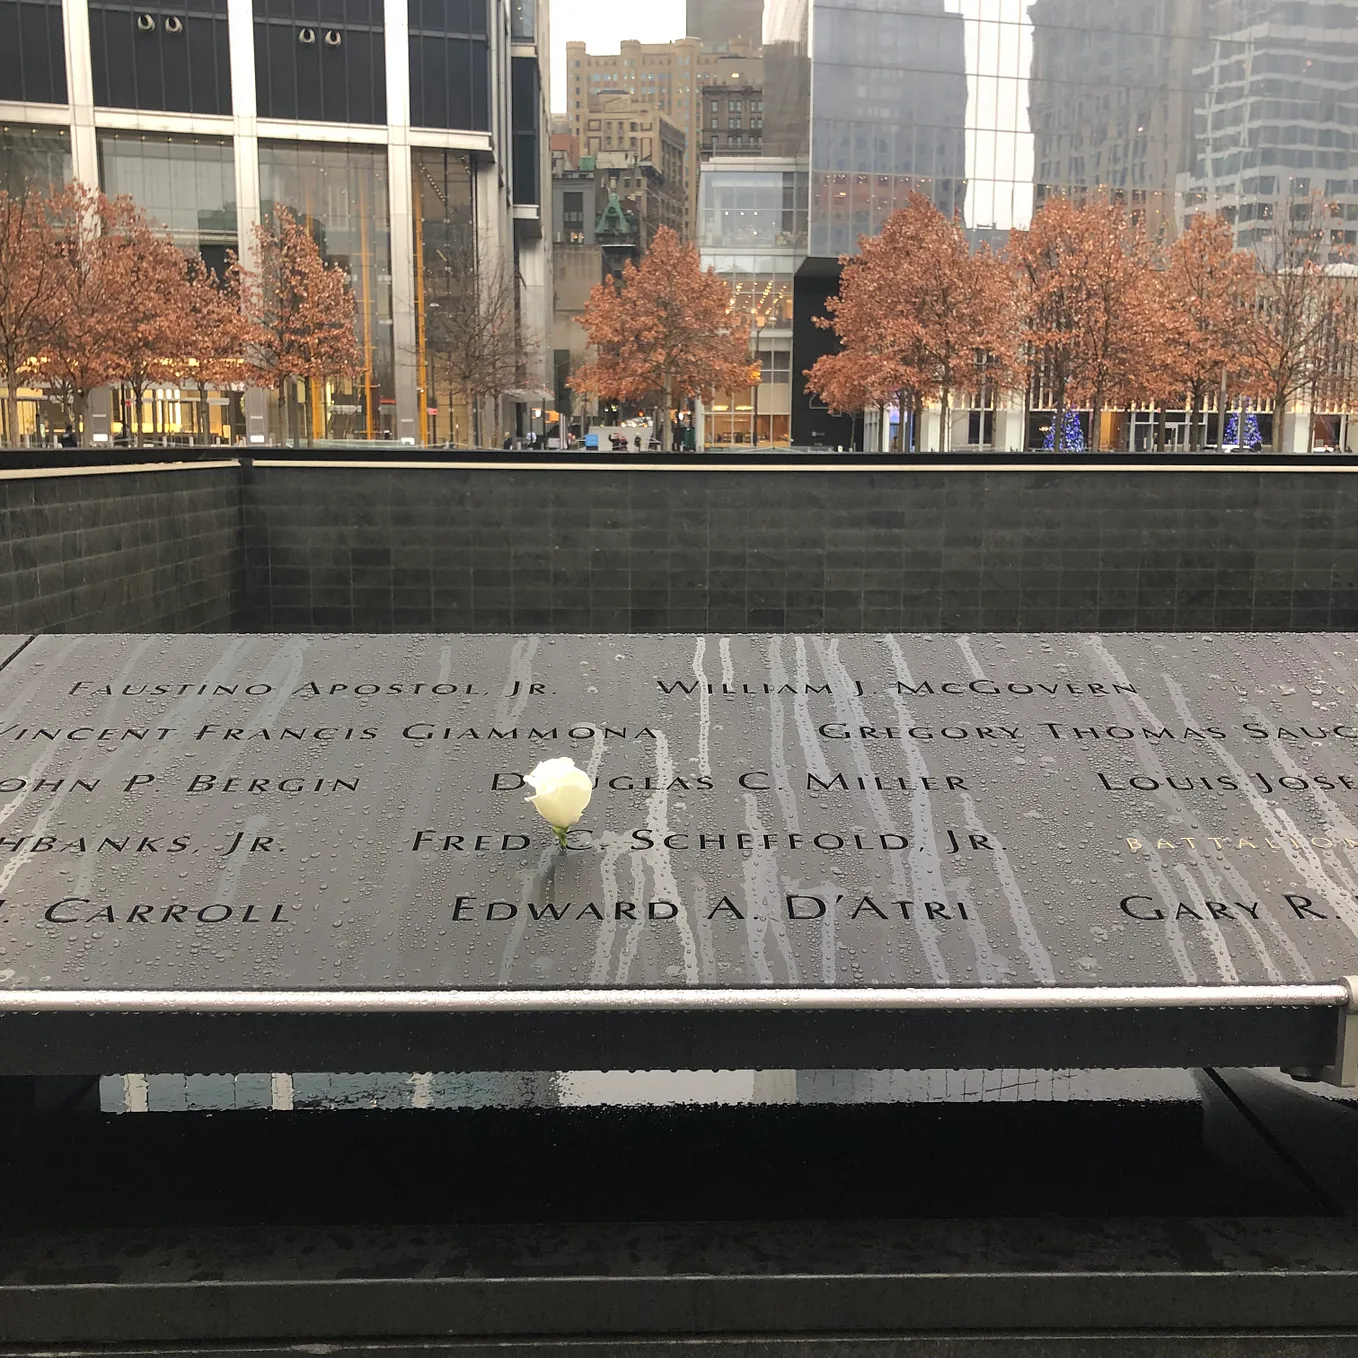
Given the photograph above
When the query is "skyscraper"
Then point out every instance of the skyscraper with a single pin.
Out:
(1275, 115)
(1111, 102)
(870, 95)
(888, 113)
(719, 24)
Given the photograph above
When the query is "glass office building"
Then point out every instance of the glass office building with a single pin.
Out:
(372, 121)
(752, 229)
(991, 107)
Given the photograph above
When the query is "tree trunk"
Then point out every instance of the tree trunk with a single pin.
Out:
(665, 436)
(1096, 423)
(1279, 406)
(284, 419)
(1027, 405)
(309, 414)
(12, 405)
(1197, 418)
(79, 400)
(1221, 412)
(944, 422)
(137, 394)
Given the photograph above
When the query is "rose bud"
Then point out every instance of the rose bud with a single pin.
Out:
(561, 793)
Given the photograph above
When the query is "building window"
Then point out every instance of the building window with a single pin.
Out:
(776, 365)
(179, 62)
(340, 194)
(526, 103)
(33, 67)
(340, 80)
(449, 64)
(187, 184)
(445, 246)
(573, 216)
(34, 157)
(523, 20)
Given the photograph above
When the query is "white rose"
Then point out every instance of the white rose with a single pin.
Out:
(561, 793)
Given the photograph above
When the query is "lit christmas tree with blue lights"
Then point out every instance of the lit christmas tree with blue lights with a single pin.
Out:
(1252, 439)
(1072, 436)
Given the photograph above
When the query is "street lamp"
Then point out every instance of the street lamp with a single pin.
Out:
(756, 325)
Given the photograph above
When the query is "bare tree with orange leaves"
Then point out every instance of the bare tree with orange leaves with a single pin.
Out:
(301, 314)
(1300, 308)
(86, 347)
(212, 334)
(1083, 273)
(1208, 316)
(154, 310)
(28, 265)
(664, 331)
(919, 311)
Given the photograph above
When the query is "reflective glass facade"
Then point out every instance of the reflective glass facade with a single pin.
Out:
(752, 230)
(1275, 113)
(445, 243)
(37, 158)
(752, 208)
(147, 113)
(889, 98)
(34, 156)
(992, 106)
(340, 192)
(187, 184)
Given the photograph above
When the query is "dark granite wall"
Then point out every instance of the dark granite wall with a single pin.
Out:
(351, 548)
(126, 551)
(432, 548)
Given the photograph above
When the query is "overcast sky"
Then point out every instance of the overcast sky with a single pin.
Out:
(601, 24)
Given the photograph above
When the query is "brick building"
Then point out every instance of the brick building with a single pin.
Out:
(672, 77)
(732, 121)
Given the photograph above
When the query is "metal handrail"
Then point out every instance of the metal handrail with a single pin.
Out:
(1335, 995)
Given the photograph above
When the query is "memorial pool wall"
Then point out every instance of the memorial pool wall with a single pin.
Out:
(272, 543)
(139, 549)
